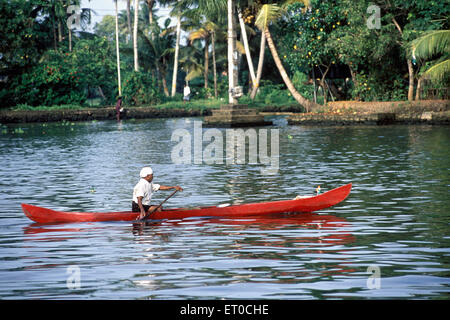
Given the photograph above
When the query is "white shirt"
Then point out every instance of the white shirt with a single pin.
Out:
(186, 91)
(144, 189)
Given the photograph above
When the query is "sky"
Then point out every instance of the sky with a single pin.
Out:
(107, 7)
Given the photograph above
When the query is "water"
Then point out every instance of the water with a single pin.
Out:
(389, 239)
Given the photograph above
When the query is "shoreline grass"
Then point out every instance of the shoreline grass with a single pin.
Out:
(198, 104)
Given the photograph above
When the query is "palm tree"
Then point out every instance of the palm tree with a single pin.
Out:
(191, 61)
(205, 32)
(232, 61)
(135, 31)
(179, 7)
(431, 45)
(262, 48)
(117, 49)
(268, 14)
(84, 19)
(128, 20)
(211, 30)
(158, 50)
(175, 61)
(150, 5)
(247, 49)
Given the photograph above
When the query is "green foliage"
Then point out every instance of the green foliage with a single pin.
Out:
(140, 88)
(272, 94)
(19, 36)
(306, 42)
(369, 88)
(54, 81)
(335, 32)
(95, 60)
(300, 81)
(431, 45)
(332, 32)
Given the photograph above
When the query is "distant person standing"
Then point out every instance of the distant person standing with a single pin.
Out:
(119, 108)
(186, 93)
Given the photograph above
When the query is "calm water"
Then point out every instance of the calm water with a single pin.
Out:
(394, 224)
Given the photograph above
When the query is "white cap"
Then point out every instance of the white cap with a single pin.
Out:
(146, 171)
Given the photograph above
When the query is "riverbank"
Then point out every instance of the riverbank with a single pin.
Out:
(334, 113)
(434, 112)
(89, 114)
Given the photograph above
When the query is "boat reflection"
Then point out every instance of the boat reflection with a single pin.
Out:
(336, 226)
(302, 246)
(329, 229)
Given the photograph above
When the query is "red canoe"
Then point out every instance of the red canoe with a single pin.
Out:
(310, 204)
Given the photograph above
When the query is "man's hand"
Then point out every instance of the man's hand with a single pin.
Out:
(142, 215)
(178, 188)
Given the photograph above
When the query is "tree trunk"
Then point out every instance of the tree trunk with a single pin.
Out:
(70, 40)
(411, 79)
(324, 85)
(59, 32)
(260, 66)
(206, 63)
(231, 52)
(163, 72)
(175, 61)
(410, 66)
(309, 105)
(419, 87)
(355, 81)
(130, 36)
(150, 4)
(247, 50)
(117, 50)
(164, 82)
(54, 29)
(135, 42)
(101, 92)
(213, 44)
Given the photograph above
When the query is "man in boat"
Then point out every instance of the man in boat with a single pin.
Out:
(142, 192)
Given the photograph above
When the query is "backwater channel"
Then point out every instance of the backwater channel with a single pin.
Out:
(389, 239)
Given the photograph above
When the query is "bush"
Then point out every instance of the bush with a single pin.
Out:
(139, 89)
(300, 81)
(49, 83)
(370, 88)
(274, 94)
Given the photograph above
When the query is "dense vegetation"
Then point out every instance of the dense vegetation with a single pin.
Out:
(331, 50)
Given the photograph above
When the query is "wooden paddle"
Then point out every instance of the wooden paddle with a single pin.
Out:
(159, 206)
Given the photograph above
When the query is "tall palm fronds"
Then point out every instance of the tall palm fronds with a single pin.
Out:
(430, 46)
(158, 49)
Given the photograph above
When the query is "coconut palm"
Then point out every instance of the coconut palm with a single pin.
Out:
(205, 33)
(247, 49)
(232, 61)
(158, 51)
(262, 48)
(210, 30)
(149, 11)
(177, 52)
(268, 14)
(84, 19)
(119, 82)
(127, 30)
(431, 45)
(191, 61)
(178, 7)
(135, 32)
